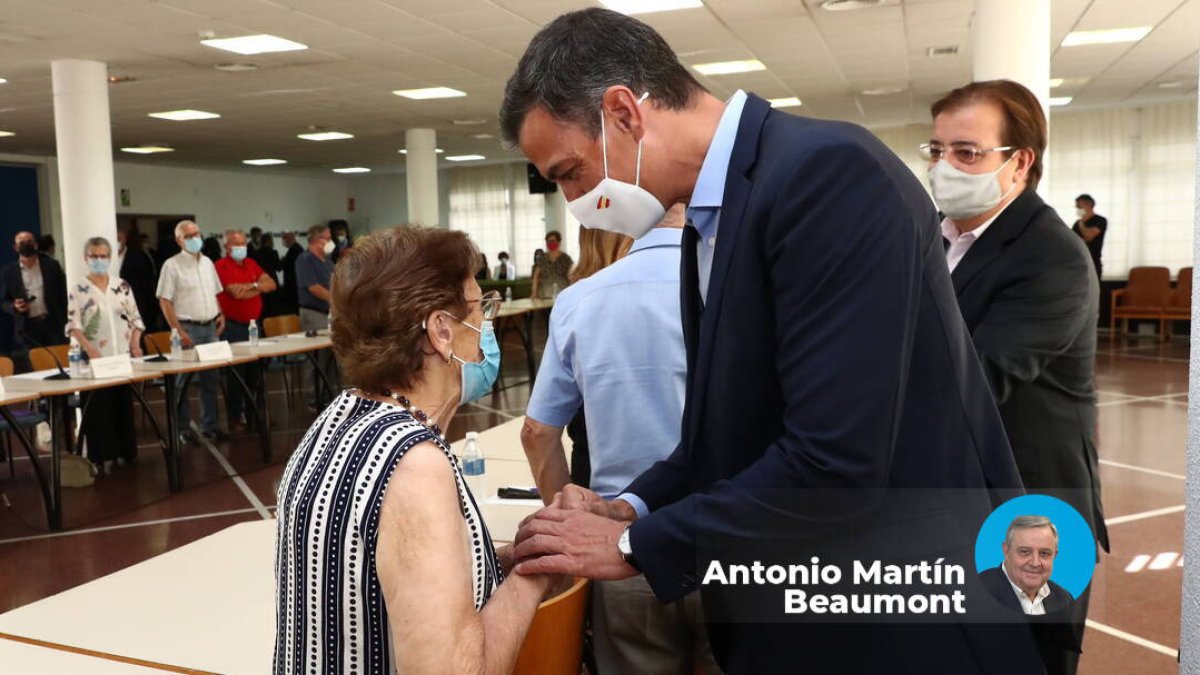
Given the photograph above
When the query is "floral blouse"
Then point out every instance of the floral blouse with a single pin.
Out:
(97, 314)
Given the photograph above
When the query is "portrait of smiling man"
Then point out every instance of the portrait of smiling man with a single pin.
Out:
(1022, 581)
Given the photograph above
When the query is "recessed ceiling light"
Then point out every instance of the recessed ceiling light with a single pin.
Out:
(1056, 82)
(404, 151)
(1057, 101)
(254, 44)
(729, 67)
(848, 5)
(121, 79)
(325, 136)
(1171, 84)
(264, 162)
(482, 137)
(236, 67)
(464, 158)
(790, 102)
(3, 81)
(429, 92)
(1105, 37)
(147, 149)
(944, 50)
(6, 134)
(648, 6)
(184, 115)
(352, 169)
(470, 122)
(882, 91)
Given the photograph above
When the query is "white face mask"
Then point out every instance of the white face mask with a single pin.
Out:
(615, 205)
(1080, 213)
(961, 195)
(329, 247)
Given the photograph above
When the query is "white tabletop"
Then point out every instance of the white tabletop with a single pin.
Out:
(209, 605)
(19, 657)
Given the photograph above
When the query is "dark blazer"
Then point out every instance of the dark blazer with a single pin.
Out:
(830, 354)
(996, 582)
(138, 270)
(1028, 294)
(54, 283)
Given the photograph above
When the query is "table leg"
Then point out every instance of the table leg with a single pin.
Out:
(264, 428)
(60, 431)
(316, 364)
(51, 516)
(527, 341)
(171, 450)
(158, 429)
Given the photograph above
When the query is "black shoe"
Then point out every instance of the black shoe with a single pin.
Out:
(215, 435)
(187, 438)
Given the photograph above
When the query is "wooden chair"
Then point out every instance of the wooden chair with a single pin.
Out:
(1179, 303)
(25, 419)
(1144, 297)
(554, 643)
(275, 326)
(42, 358)
(153, 343)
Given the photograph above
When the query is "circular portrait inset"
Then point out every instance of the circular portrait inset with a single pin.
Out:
(1035, 554)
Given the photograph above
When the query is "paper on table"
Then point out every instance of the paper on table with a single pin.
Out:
(246, 343)
(112, 366)
(36, 375)
(214, 351)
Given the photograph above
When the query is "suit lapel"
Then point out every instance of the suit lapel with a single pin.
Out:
(733, 206)
(1011, 223)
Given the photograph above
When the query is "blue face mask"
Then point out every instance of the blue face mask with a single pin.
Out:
(193, 245)
(478, 377)
(238, 253)
(98, 265)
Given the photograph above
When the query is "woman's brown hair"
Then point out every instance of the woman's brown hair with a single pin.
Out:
(383, 289)
(598, 249)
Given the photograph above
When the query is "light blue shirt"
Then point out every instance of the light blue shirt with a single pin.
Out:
(704, 209)
(616, 348)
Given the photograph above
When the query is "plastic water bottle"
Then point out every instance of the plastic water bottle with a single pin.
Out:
(253, 333)
(176, 345)
(75, 359)
(508, 294)
(473, 467)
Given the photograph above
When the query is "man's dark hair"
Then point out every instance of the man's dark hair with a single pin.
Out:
(1086, 198)
(574, 59)
(503, 254)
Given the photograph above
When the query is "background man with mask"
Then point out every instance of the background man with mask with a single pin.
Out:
(828, 366)
(314, 269)
(1091, 227)
(1028, 294)
(187, 294)
(243, 283)
(35, 294)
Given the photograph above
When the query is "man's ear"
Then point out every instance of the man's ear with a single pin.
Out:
(621, 109)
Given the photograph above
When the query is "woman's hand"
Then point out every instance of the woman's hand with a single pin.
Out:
(135, 351)
(91, 350)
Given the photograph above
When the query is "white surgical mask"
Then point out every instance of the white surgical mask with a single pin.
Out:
(615, 205)
(330, 247)
(961, 195)
(1080, 213)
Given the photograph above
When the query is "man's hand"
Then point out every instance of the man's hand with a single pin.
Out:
(20, 305)
(583, 499)
(220, 324)
(574, 542)
(185, 340)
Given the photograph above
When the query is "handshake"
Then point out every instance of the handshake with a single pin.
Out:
(575, 535)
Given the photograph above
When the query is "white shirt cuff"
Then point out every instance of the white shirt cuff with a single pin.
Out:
(636, 502)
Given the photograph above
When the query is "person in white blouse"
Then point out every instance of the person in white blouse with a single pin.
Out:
(102, 316)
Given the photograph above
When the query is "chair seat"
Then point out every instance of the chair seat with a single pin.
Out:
(25, 420)
(1177, 312)
(1134, 309)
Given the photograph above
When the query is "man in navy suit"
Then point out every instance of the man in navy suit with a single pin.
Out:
(1022, 582)
(830, 377)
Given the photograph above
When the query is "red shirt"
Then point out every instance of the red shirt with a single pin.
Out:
(230, 272)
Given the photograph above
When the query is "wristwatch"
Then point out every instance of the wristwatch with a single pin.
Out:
(626, 548)
(256, 285)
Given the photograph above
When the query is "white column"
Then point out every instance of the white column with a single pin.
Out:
(1189, 640)
(421, 171)
(85, 164)
(1011, 39)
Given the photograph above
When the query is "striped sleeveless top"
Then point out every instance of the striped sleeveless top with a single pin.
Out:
(330, 614)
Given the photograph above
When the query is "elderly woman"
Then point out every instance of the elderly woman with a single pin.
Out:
(384, 563)
(102, 316)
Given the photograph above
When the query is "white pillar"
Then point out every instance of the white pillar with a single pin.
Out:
(85, 164)
(1189, 640)
(1011, 39)
(422, 174)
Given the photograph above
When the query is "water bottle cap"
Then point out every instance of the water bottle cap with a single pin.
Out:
(472, 435)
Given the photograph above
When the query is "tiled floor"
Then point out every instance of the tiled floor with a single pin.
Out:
(129, 516)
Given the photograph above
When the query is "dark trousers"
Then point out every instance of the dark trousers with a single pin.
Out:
(108, 425)
(236, 403)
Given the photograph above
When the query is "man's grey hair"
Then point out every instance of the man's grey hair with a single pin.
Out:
(96, 241)
(182, 224)
(232, 231)
(316, 230)
(574, 59)
(1029, 523)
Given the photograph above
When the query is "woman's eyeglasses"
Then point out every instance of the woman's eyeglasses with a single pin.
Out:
(489, 304)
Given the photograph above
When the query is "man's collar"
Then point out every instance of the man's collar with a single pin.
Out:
(658, 236)
(710, 183)
(1041, 594)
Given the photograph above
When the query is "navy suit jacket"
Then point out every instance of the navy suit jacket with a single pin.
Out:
(998, 585)
(830, 354)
